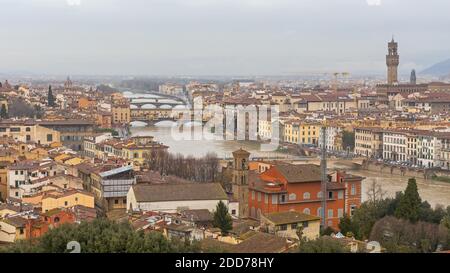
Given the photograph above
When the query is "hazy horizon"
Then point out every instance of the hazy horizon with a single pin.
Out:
(219, 37)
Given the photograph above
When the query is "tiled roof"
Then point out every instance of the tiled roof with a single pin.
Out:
(179, 192)
(289, 217)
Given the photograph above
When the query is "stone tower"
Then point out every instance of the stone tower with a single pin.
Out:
(392, 61)
(413, 78)
(240, 180)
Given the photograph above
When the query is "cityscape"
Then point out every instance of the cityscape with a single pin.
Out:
(328, 160)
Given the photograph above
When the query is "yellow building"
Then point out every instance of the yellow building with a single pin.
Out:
(369, 142)
(12, 229)
(290, 224)
(121, 113)
(67, 199)
(28, 131)
(302, 132)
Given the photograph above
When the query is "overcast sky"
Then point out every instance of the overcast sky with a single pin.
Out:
(219, 37)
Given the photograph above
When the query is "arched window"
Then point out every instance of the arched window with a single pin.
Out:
(319, 194)
(56, 220)
(319, 212)
(307, 211)
(292, 196)
(306, 195)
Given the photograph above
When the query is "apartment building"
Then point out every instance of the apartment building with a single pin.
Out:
(395, 146)
(369, 142)
(28, 131)
(25, 177)
(333, 138)
(302, 132)
(287, 187)
(136, 149)
(121, 113)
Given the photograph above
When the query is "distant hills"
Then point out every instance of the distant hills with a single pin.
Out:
(439, 69)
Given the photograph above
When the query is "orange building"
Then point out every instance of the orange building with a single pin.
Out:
(37, 227)
(86, 103)
(104, 119)
(288, 187)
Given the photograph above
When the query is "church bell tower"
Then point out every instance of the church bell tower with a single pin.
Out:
(240, 180)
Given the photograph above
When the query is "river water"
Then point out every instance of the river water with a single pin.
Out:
(199, 148)
(431, 191)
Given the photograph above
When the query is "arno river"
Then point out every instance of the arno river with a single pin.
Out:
(431, 191)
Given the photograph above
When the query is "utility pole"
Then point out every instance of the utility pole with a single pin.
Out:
(324, 180)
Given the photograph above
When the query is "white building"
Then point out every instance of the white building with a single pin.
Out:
(173, 197)
(333, 140)
(395, 146)
(26, 177)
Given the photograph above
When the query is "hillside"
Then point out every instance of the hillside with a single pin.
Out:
(439, 69)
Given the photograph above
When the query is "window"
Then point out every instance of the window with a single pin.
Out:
(330, 213)
(353, 189)
(28, 129)
(116, 201)
(352, 209)
(292, 196)
(233, 212)
(319, 194)
(294, 226)
(306, 195)
(283, 227)
(319, 212)
(340, 213)
(28, 138)
(21, 231)
(266, 198)
(253, 195)
(307, 211)
(283, 198)
(274, 199)
(305, 224)
(56, 219)
(259, 196)
(340, 194)
(330, 195)
(49, 137)
(76, 199)
(124, 201)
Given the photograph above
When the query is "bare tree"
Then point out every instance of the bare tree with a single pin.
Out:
(375, 191)
(203, 169)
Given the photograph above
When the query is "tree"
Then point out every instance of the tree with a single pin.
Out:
(222, 219)
(401, 235)
(3, 112)
(375, 191)
(348, 140)
(102, 236)
(323, 244)
(51, 98)
(410, 203)
(346, 225)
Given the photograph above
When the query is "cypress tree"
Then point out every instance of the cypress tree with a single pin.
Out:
(410, 202)
(222, 219)
(3, 112)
